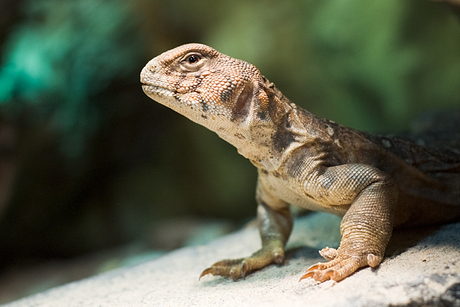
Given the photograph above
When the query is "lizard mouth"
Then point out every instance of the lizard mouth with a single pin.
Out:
(155, 90)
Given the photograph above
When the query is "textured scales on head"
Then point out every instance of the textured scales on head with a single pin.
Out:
(199, 82)
(224, 94)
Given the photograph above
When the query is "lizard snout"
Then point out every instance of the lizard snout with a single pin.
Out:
(147, 73)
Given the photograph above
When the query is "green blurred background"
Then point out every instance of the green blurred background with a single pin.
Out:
(88, 162)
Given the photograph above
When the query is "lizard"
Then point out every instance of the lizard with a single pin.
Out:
(374, 182)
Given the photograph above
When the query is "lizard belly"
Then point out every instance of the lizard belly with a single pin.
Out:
(292, 193)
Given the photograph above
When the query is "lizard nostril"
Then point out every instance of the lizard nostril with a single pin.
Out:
(149, 69)
(153, 68)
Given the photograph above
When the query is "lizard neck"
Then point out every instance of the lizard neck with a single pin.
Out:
(271, 129)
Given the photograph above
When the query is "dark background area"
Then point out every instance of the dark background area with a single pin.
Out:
(88, 162)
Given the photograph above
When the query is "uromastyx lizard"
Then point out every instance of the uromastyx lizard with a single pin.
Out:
(374, 182)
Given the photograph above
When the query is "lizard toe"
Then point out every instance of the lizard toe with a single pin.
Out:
(336, 270)
(239, 268)
(328, 253)
(228, 267)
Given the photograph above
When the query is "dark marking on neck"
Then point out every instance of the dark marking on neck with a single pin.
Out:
(242, 105)
(262, 115)
(283, 136)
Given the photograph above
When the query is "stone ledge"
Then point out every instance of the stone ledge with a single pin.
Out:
(422, 268)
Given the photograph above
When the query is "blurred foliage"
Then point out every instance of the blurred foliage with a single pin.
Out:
(372, 65)
(98, 162)
(62, 55)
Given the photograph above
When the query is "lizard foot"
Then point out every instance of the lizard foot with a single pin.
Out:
(239, 268)
(340, 267)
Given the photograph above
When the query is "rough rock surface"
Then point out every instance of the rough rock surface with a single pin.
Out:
(422, 268)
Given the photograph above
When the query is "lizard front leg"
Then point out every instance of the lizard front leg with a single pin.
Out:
(366, 226)
(275, 225)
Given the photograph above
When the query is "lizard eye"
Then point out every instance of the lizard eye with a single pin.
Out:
(192, 61)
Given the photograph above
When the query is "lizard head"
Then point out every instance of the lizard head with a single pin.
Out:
(210, 88)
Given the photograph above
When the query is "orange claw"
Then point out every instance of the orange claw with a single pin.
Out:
(318, 273)
(311, 271)
(308, 274)
(314, 267)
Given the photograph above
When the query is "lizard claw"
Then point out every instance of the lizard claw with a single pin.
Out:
(231, 268)
(206, 272)
(239, 268)
(307, 274)
(336, 270)
(225, 268)
(318, 273)
(314, 267)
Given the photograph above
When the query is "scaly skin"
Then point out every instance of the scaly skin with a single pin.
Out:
(374, 182)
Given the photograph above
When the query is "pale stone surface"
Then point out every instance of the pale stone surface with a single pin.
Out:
(422, 268)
